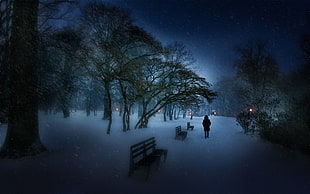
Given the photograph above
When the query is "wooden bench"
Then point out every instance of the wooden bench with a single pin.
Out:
(189, 126)
(179, 134)
(144, 154)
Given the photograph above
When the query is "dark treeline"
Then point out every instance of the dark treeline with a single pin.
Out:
(264, 101)
(102, 60)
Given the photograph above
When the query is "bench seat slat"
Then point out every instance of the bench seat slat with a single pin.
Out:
(147, 161)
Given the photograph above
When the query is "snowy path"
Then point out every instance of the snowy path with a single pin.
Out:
(86, 160)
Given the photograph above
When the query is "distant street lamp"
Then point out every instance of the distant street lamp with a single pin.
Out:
(191, 114)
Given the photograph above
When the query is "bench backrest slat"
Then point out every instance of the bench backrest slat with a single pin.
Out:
(142, 142)
(142, 149)
(178, 130)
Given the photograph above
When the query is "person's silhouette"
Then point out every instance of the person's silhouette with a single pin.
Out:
(206, 123)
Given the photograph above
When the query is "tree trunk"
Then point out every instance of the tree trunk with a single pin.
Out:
(175, 114)
(105, 109)
(22, 138)
(65, 111)
(170, 110)
(126, 107)
(5, 25)
(178, 114)
(88, 99)
(143, 121)
(165, 113)
(108, 106)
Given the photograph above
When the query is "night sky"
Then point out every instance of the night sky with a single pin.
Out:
(212, 29)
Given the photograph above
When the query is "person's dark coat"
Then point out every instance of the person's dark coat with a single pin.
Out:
(206, 123)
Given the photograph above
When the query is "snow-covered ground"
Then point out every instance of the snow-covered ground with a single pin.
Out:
(84, 159)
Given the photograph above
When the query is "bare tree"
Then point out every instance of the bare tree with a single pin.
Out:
(168, 80)
(107, 29)
(116, 51)
(66, 46)
(54, 14)
(136, 46)
(260, 72)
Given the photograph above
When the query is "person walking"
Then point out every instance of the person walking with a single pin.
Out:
(206, 123)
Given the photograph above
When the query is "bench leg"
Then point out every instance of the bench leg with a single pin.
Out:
(130, 171)
(148, 172)
(165, 154)
(157, 163)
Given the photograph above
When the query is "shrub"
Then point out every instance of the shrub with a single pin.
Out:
(254, 121)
